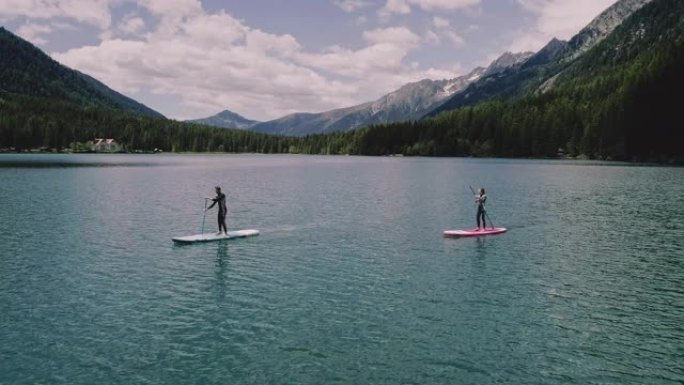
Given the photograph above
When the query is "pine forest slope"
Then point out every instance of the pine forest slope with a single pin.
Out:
(26, 70)
(44, 104)
(616, 100)
(542, 67)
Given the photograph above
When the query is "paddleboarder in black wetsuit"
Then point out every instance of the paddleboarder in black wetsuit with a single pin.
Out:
(222, 210)
(480, 199)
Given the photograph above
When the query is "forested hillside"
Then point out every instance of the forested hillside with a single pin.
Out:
(26, 70)
(31, 122)
(618, 100)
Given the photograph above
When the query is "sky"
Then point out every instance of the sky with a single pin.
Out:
(265, 59)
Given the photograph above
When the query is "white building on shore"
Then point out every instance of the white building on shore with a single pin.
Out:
(106, 145)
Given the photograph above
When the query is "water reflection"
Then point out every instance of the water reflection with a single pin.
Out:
(83, 160)
(222, 260)
(53, 164)
(480, 243)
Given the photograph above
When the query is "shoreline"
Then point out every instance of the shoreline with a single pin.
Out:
(580, 158)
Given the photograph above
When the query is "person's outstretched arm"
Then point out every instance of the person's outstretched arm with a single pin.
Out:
(215, 200)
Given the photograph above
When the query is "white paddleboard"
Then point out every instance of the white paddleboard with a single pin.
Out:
(211, 237)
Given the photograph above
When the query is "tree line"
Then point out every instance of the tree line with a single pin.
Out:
(606, 105)
(626, 112)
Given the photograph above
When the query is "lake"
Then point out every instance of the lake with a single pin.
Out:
(350, 281)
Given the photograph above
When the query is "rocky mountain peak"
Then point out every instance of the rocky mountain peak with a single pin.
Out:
(602, 26)
(226, 119)
(507, 60)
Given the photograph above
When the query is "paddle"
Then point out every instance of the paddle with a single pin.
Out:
(204, 214)
(485, 211)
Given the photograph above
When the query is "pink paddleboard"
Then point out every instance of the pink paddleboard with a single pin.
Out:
(474, 232)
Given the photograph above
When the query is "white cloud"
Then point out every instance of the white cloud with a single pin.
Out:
(430, 37)
(404, 6)
(434, 73)
(433, 5)
(216, 31)
(440, 22)
(372, 62)
(173, 14)
(32, 32)
(92, 12)
(351, 5)
(131, 24)
(472, 28)
(396, 6)
(210, 62)
(382, 59)
(556, 18)
(400, 7)
(395, 35)
(455, 38)
(445, 31)
(283, 45)
(173, 8)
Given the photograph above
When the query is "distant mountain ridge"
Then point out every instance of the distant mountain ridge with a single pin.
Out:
(615, 101)
(506, 61)
(540, 70)
(26, 70)
(599, 28)
(410, 102)
(226, 119)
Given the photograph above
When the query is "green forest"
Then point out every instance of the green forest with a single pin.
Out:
(625, 113)
(617, 101)
(617, 114)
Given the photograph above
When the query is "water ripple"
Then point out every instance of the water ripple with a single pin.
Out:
(350, 280)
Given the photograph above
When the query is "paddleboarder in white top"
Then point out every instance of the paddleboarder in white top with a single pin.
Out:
(480, 199)
(222, 210)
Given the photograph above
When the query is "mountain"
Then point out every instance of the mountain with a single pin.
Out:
(407, 103)
(26, 70)
(616, 100)
(506, 61)
(226, 119)
(410, 102)
(549, 53)
(540, 70)
(48, 107)
(599, 28)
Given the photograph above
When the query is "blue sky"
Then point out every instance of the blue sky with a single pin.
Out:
(267, 58)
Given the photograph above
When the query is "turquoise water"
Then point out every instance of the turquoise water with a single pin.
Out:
(350, 281)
